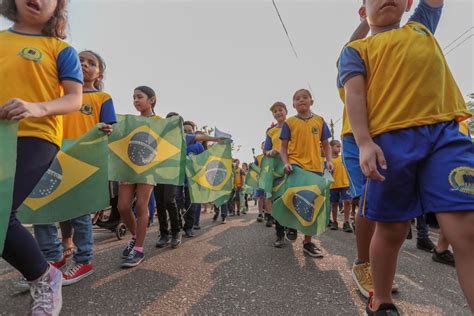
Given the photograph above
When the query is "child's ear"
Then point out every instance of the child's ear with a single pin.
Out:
(362, 12)
(409, 5)
(153, 100)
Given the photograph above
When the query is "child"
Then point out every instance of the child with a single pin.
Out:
(259, 193)
(339, 189)
(97, 107)
(238, 183)
(404, 107)
(245, 169)
(144, 100)
(44, 82)
(301, 136)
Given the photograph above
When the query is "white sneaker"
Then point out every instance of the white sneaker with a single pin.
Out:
(46, 293)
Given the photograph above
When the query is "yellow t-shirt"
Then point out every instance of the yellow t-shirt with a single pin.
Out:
(273, 139)
(305, 136)
(97, 106)
(238, 178)
(341, 180)
(32, 68)
(258, 160)
(408, 80)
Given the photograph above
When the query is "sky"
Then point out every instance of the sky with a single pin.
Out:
(224, 63)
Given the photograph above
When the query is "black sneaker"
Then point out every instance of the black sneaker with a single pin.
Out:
(279, 242)
(163, 241)
(445, 257)
(188, 233)
(347, 227)
(334, 226)
(383, 310)
(134, 259)
(291, 234)
(329, 223)
(175, 240)
(311, 250)
(196, 227)
(260, 218)
(425, 244)
(269, 221)
(128, 248)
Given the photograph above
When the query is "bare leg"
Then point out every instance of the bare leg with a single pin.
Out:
(347, 210)
(143, 197)
(334, 208)
(443, 243)
(364, 232)
(126, 195)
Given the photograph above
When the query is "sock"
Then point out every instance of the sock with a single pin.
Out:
(138, 249)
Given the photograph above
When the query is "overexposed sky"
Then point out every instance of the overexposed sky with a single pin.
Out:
(223, 63)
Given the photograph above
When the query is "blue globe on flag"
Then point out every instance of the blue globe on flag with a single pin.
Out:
(303, 203)
(49, 182)
(142, 149)
(216, 173)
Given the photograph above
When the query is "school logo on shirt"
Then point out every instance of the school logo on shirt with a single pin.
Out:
(31, 54)
(420, 30)
(314, 130)
(462, 179)
(86, 109)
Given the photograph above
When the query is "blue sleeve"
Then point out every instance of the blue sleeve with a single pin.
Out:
(255, 162)
(427, 15)
(69, 66)
(107, 112)
(200, 148)
(285, 133)
(350, 65)
(190, 138)
(326, 134)
(268, 143)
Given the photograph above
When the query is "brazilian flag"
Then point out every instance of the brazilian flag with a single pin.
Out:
(272, 168)
(210, 174)
(147, 150)
(305, 204)
(251, 179)
(75, 184)
(8, 131)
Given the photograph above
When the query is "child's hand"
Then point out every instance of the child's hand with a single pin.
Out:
(17, 109)
(106, 128)
(272, 153)
(288, 168)
(330, 166)
(370, 155)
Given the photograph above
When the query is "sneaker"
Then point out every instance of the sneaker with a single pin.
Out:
(175, 240)
(334, 226)
(134, 259)
(163, 241)
(279, 242)
(128, 248)
(329, 223)
(387, 309)
(363, 278)
(58, 264)
(410, 235)
(445, 257)
(214, 218)
(269, 222)
(224, 221)
(196, 227)
(47, 293)
(188, 233)
(260, 218)
(291, 234)
(311, 250)
(347, 227)
(425, 244)
(77, 272)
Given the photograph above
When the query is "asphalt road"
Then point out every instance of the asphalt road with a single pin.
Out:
(233, 269)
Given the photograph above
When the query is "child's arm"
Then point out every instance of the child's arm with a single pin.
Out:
(361, 31)
(284, 155)
(434, 3)
(328, 154)
(370, 153)
(17, 109)
(205, 138)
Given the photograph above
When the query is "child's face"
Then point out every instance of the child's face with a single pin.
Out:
(188, 129)
(90, 66)
(383, 13)
(37, 12)
(141, 101)
(302, 102)
(279, 113)
(336, 149)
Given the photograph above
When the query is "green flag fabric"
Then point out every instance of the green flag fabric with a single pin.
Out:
(147, 150)
(209, 174)
(251, 179)
(75, 184)
(222, 200)
(305, 204)
(272, 168)
(8, 139)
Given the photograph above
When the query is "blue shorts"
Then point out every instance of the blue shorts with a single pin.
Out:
(340, 194)
(430, 170)
(350, 158)
(259, 193)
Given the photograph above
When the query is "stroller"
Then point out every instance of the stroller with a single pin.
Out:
(109, 218)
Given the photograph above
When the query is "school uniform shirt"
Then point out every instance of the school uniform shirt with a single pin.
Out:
(408, 79)
(32, 69)
(304, 137)
(273, 139)
(341, 180)
(97, 107)
(258, 160)
(238, 179)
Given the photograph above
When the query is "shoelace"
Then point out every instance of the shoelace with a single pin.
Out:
(130, 245)
(367, 273)
(72, 270)
(42, 296)
(132, 254)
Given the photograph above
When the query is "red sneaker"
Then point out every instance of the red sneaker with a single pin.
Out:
(76, 273)
(58, 264)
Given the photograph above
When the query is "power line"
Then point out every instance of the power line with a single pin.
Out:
(465, 40)
(454, 41)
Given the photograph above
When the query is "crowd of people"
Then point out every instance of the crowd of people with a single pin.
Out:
(405, 153)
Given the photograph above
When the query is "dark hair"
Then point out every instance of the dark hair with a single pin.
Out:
(171, 114)
(334, 142)
(281, 104)
(98, 83)
(55, 27)
(150, 93)
(305, 90)
(190, 123)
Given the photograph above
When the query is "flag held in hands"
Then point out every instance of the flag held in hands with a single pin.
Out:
(251, 179)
